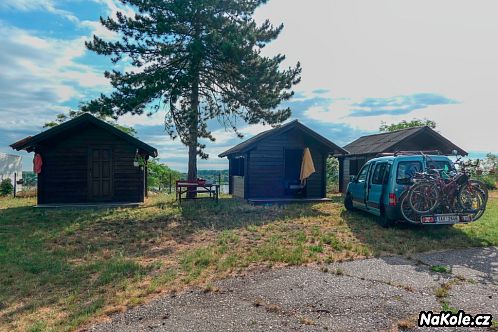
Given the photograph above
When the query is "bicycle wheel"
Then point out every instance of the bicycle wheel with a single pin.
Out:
(424, 197)
(481, 186)
(407, 211)
(479, 213)
(471, 199)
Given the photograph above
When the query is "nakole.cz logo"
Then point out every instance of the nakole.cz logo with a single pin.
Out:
(450, 319)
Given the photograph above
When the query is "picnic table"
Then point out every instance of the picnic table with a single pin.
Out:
(185, 187)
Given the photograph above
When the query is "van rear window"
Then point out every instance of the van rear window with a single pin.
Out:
(406, 171)
(442, 165)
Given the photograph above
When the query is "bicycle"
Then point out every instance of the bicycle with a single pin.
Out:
(456, 193)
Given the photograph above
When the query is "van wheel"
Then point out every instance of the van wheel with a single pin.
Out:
(385, 221)
(348, 202)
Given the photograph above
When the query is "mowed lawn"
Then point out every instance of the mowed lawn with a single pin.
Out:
(62, 269)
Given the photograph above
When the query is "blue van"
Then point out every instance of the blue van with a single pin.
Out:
(380, 183)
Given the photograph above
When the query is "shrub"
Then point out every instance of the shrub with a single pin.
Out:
(489, 180)
(6, 187)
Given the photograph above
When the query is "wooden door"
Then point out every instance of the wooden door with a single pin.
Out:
(100, 174)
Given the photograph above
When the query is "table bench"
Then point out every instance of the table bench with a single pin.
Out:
(184, 188)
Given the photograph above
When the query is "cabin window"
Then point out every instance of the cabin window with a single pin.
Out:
(355, 165)
(238, 166)
(293, 161)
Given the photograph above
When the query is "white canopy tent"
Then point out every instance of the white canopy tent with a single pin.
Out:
(11, 168)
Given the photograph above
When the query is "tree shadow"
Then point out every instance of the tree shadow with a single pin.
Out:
(414, 241)
(478, 264)
(336, 198)
(61, 251)
(231, 213)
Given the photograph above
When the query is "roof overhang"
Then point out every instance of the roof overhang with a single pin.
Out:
(445, 146)
(31, 142)
(245, 147)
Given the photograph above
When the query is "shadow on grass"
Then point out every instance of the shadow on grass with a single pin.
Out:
(411, 240)
(408, 239)
(76, 259)
(405, 238)
(230, 213)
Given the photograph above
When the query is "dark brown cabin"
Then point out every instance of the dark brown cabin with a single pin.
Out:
(86, 160)
(266, 165)
(371, 146)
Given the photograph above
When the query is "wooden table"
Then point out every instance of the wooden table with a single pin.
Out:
(193, 187)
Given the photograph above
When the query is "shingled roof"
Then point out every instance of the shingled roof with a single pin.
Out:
(386, 142)
(30, 142)
(251, 142)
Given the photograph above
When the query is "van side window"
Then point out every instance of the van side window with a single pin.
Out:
(407, 170)
(378, 175)
(362, 176)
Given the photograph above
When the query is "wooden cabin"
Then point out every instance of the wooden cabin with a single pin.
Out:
(86, 160)
(368, 147)
(267, 166)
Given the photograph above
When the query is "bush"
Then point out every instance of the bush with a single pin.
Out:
(6, 187)
(490, 180)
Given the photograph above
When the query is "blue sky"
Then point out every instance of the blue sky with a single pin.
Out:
(363, 61)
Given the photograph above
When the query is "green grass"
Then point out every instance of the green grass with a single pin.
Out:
(441, 269)
(447, 308)
(61, 269)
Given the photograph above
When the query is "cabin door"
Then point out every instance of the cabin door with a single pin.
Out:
(100, 174)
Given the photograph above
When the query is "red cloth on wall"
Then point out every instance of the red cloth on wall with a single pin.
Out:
(37, 163)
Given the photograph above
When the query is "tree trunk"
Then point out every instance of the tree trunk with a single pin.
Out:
(194, 125)
(192, 152)
(192, 163)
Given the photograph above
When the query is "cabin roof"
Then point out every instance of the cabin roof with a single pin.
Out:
(30, 142)
(251, 142)
(385, 142)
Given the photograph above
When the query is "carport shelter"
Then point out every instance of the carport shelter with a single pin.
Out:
(87, 160)
(371, 146)
(268, 165)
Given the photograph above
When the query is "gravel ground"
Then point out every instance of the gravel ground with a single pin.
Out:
(369, 295)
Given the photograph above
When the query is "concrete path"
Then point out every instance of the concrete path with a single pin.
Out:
(369, 295)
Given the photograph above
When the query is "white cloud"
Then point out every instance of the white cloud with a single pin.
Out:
(143, 120)
(114, 6)
(27, 5)
(32, 5)
(224, 136)
(362, 48)
(99, 30)
(355, 49)
(39, 74)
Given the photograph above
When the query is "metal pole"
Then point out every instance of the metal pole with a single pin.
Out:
(15, 184)
(170, 180)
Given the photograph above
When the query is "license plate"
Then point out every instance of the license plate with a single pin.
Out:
(440, 219)
(447, 219)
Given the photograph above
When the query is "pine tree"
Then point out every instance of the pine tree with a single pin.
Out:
(198, 60)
